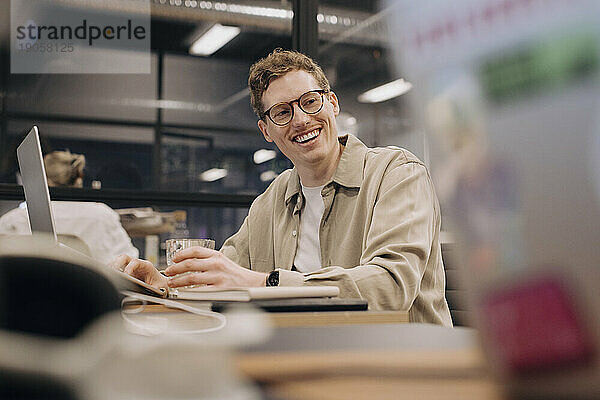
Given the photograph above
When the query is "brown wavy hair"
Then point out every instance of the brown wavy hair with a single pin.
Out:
(277, 64)
(64, 168)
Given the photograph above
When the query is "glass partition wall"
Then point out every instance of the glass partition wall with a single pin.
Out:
(355, 53)
(186, 128)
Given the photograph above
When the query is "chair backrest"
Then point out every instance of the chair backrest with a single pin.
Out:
(29, 385)
(455, 290)
(50, 297)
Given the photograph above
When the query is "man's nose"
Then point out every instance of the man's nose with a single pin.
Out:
(300, 117)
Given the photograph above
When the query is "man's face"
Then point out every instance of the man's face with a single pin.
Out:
(291, 139)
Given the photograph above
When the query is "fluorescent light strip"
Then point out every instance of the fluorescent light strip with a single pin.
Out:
(213, 174)
(268, 176)
(260, 11)
(213, 39)
(263, 155)
(269, 12)
(385, 92)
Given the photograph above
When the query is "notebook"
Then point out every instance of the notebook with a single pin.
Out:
(207, 293)
(37, 196)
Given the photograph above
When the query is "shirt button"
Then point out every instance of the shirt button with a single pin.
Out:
(294, 233)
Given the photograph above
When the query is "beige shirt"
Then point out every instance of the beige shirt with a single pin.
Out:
(379, 234)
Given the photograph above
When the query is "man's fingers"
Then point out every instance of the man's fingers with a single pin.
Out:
(120, 262)
(188, 265)
(193, 252)
(131, 267)
(193, 278)
(139, 269)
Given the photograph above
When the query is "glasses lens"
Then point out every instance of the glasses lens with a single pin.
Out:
(311, 102)
(281, 113)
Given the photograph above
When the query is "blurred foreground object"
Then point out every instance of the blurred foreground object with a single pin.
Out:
(51, 293)
(371, 362)
(509, 92)
(63, 336)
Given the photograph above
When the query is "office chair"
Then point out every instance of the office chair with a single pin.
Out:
(33, 386)
(47, 295)
(456, 295)
(51, 297)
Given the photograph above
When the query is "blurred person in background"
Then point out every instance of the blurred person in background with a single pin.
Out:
(96, 224)
(365, 220)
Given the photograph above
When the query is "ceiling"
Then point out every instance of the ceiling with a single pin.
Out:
(353, 56)
(349, 59)
(175, 36)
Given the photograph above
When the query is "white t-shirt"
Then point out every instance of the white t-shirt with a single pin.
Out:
(308, 254)
(96, 224)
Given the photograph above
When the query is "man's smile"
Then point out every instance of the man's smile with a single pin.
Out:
(306, 137)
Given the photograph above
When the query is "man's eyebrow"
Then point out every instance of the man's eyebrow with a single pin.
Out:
(293, 98)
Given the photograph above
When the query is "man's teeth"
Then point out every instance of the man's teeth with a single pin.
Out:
(308, 136)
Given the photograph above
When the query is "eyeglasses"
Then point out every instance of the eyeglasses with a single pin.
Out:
(310, 102)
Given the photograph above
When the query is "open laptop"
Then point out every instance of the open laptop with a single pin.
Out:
(39, 209)
(508, 94)
(35, 184)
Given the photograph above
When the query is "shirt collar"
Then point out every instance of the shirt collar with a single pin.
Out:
(349, 172)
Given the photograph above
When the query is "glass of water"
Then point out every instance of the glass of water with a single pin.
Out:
(174, 245)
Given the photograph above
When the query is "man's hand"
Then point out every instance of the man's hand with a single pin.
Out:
(210, 267)
(140, 269)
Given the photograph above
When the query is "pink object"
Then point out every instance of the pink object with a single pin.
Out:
(535, 327)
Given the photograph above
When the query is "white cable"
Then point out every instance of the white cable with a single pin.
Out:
(148, 331)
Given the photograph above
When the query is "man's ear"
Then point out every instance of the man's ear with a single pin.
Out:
(263, 128)
(334, 102)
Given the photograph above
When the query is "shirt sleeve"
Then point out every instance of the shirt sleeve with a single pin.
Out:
(15, 222)
(236, 247)
(398, 244)
(107, 238)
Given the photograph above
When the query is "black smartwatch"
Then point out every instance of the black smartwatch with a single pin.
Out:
(273, 278)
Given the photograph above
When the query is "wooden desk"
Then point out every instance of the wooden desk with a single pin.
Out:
(330, 318)
(370, 362)
(360, 355)
(423, 375)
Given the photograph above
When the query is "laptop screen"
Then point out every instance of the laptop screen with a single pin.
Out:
(35, 184)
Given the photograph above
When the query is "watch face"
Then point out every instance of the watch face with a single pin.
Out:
(273, 279)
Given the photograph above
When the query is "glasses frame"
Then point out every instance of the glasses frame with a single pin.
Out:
(322, 92)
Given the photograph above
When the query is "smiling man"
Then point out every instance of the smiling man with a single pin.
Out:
(365, 220)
